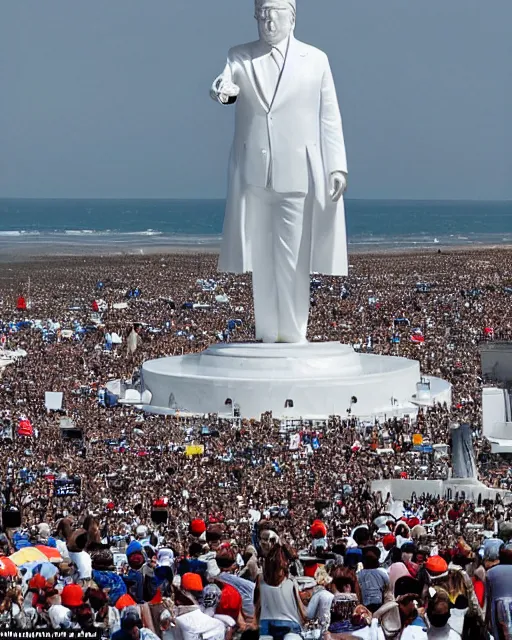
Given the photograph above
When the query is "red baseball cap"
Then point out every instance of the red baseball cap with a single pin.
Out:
(389, 541)
(197, 527)
(318, 529)
(72, 596)
(191, 582)
(436, 565)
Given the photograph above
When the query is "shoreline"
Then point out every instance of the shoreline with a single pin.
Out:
(13, 254)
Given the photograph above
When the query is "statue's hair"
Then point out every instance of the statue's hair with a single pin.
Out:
(288, 4)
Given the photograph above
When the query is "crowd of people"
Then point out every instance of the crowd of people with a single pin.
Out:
(270, 526)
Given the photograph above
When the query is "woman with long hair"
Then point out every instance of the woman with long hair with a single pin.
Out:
(277, 596)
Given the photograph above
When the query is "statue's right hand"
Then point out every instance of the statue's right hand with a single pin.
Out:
(224, 89)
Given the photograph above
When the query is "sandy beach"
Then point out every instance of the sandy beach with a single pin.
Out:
(28, 251)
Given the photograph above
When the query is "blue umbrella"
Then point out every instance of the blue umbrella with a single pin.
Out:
(46, 569)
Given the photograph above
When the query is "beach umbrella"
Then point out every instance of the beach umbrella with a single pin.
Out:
(45, 569)
(51, 553)
(28, 554)
(7, 568)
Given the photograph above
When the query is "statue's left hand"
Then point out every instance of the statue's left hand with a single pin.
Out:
(337, 185)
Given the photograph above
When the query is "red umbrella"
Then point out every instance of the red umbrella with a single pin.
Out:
(7, 568)
(51, 553)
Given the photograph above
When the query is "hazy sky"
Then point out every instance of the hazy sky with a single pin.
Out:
(109, 98)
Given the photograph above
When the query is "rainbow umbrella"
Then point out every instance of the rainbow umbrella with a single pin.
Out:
(51, 553)
(28, 554)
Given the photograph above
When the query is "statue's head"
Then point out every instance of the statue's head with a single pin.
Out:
(276, 20)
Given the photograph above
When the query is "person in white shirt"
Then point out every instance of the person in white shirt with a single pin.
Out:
(438, 618)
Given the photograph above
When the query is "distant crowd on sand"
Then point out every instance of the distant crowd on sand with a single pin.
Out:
(209, 527)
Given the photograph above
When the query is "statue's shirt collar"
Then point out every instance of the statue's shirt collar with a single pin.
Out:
(282, 47)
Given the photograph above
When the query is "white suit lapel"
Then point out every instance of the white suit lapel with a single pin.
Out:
(260, 77)
(291, 70)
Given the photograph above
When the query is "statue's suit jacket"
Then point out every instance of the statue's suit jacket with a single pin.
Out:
(289, 139)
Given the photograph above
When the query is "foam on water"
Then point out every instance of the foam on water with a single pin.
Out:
(371, 224)
(16, 233)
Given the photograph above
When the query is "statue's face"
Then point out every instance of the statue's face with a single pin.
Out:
(274, 23)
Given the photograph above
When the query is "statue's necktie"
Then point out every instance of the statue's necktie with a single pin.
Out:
(278, 59)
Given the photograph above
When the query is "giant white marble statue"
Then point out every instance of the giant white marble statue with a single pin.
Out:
(287, 172)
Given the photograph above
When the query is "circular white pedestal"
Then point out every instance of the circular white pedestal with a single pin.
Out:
(291, 380)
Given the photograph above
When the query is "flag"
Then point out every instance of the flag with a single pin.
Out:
(315, 443)
(417, 337)
(294, 442)
(25, 427)
(133, 342)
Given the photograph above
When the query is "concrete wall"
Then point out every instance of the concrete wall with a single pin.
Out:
(493, 414)
(496, 360)
(403, 489)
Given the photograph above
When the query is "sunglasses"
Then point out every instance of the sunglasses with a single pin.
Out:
(270, 13)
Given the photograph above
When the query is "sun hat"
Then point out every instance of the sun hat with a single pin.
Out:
(318, 529)
(141, 531)
(197, 527)
(191, 582)
(134, 547)
(436, 567)
(72, 595)
(125, 601)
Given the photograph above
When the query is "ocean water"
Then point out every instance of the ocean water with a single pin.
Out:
(377, 224)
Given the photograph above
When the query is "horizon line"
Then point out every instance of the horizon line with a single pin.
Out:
(160, 199)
